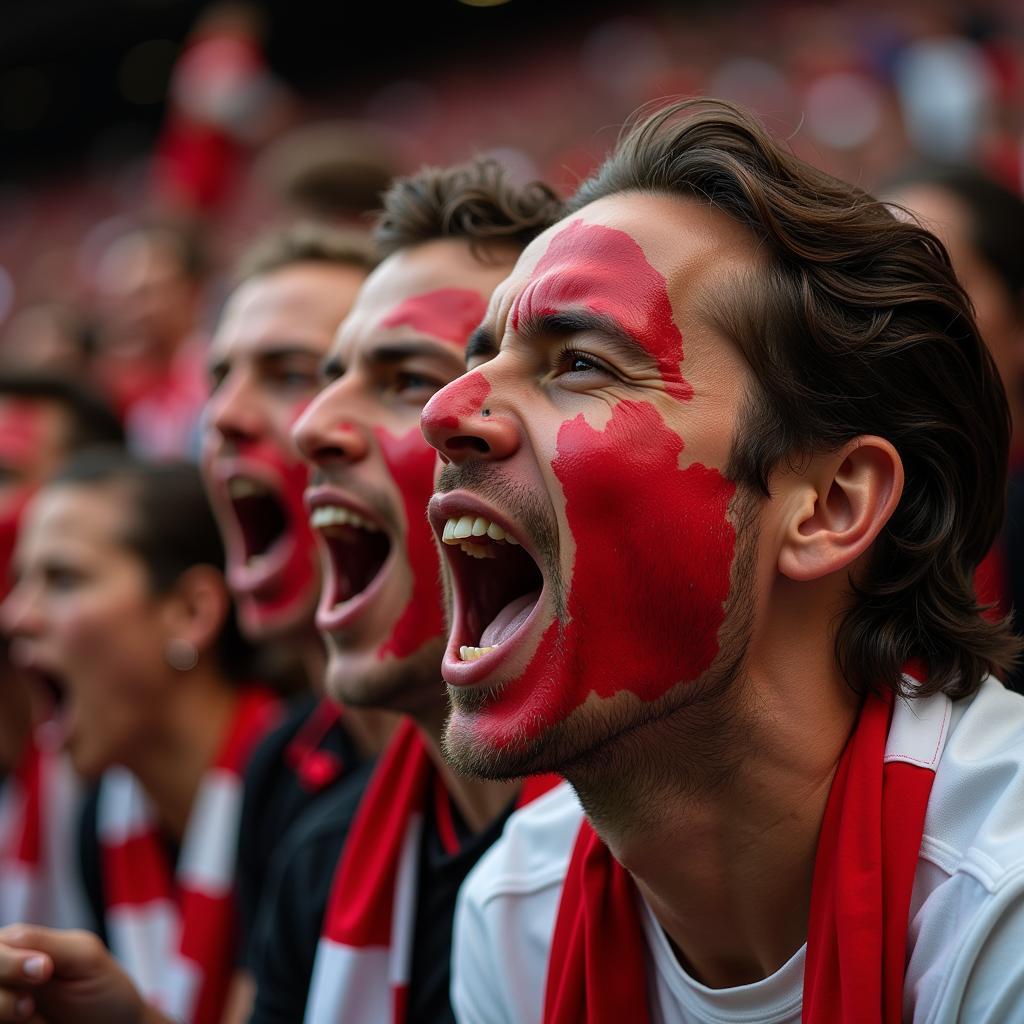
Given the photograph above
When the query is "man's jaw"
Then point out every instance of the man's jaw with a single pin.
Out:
(500, 598)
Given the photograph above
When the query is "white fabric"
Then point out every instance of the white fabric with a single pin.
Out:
(966, 934)
(49, 893)
(359, 983)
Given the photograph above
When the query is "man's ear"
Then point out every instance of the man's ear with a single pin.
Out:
(198, 607)
(841, 502)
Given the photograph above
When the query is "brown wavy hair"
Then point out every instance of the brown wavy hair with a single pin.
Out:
(853, 323)
(475, 200)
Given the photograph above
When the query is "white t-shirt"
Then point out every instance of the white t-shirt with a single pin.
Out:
(965, 941)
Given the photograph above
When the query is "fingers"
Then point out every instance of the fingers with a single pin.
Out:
(22, 966)
(65, 952)
(16, 1006)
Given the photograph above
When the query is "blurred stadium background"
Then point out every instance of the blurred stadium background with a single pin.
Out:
(238, 115)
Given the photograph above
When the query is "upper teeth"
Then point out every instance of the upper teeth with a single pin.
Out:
(458, 529)
(336, 515)
(243, 487)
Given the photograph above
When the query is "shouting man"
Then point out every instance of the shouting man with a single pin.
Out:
(740, 421)
(448, 237)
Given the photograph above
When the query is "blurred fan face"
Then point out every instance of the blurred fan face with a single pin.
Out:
(998, 319)
(381, 607)
(264, 363)
(82, 616)
(32, 435)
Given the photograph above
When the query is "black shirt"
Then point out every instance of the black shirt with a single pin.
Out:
(291, 919)
(291, 769)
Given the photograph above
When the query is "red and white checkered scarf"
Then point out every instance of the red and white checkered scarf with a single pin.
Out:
(364, 957)
(175, 932)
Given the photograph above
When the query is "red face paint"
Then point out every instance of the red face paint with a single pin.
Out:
(654, 549)
(21, 428)
(653, 543)
(450, 314)
(605, 271)
(410, 461)
(282, 591)
(462, 399)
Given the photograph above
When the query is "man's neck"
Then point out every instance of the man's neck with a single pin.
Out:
(480, 802)
(722, 845)
(172, 765)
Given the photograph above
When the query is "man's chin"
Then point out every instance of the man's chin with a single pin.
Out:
(361, 678)
(474, 744)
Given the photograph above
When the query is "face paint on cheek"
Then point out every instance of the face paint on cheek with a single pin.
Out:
(455, 402)
(447, 313)
(605, 270)
(289, 593)
(21, 430)
(654, 550)
(410, 460)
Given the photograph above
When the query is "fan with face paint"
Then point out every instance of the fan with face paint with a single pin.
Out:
(264, 361)
(584, 512)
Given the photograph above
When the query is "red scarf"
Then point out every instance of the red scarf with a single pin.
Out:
(364, 958)
(860, 900)
(175, 933)
(38, 817)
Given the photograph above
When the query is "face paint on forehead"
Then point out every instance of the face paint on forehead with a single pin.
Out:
(447, 313)
(21, 427)
(604, 270)
(650, 578)
(410, 460)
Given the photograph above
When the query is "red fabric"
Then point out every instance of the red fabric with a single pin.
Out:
(364, 892)
(990, 583)
(860, 900)
(136, 873)
(313, 767)
(28, 839)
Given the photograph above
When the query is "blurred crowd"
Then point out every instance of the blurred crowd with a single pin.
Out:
(163, 325)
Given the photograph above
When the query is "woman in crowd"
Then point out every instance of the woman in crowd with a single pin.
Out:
(121, 599)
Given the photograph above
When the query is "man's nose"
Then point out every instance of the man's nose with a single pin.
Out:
(326, 432)
(462, 421)
(19, 612)
(232, 411)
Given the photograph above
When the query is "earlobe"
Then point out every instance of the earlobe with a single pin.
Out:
(843, 501)
(200, 607)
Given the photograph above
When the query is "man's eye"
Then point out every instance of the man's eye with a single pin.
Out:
(571, 361)
(415, 382)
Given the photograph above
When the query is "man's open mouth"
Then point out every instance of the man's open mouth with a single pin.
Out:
(263, 525)
(357, 549)
(497, 584)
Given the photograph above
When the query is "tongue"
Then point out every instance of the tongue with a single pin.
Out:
(509, 619)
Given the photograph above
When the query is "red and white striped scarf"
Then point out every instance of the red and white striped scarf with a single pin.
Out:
(364, 957)
(860, 898)
(39, 879)
(175, 932)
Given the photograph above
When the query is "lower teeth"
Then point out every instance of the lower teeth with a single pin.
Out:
(472, 653)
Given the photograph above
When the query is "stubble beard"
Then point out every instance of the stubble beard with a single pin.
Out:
(595, 744)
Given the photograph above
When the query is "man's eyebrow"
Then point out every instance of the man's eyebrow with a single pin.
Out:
(578, 321)
(397, 351)
(481, 343)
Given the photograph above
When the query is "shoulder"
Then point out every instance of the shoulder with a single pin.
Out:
(967, 910)
(320, 831)
(534, 849)
(506, 911)
(975, 818)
